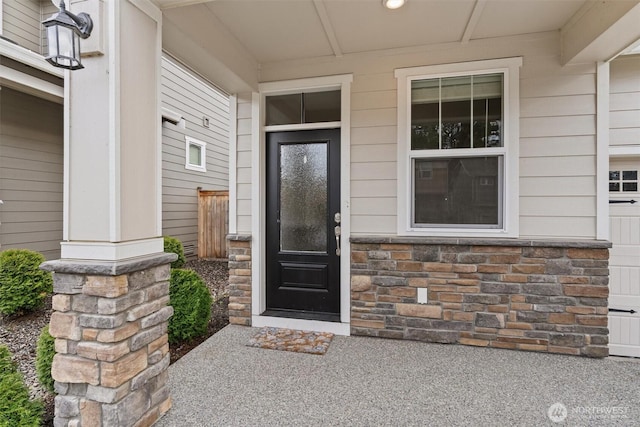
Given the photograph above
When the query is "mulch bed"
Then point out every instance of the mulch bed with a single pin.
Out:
(20, 332)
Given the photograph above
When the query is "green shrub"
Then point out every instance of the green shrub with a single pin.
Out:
(191, 301)
(15, 407)
(44, 358)
(23, 286)
(171, 244)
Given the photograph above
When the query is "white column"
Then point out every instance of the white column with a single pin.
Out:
(113, 145)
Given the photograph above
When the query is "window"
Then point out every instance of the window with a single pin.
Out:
(458, 141)
(623, 181)
(298, 108)
(195, 155)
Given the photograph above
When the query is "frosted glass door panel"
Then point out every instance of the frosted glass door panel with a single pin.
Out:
(303, 197)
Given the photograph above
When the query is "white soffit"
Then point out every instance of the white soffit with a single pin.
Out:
(503, 18)
(275, 30)
(362, 26)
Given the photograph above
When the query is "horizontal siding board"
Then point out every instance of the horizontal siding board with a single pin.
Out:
(31, 237)
(21, 23)
(31, 227)
(558, 106)
(383, 224)
(373, 206)
(624, 74)
(557, 227)
(373, 170)
(558, 146)
(244, 224)
(373, 100)
(373, 118)
(558, 166)
(557, 85)
(374, 135)
(558, 206)
(555, 186)
(373, 153)
(373, 82)
(627, 136)
(557, 126)
(373, 188)
(625, 119)
(625, 101)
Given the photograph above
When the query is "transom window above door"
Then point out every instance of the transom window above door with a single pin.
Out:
(299, 108)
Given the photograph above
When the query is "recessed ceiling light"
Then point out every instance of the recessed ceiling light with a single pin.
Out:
(393, 4)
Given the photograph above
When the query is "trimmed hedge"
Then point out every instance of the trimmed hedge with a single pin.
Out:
(44, 358)
(23, 286)
(171, 244)
(15, 407)
(191, 302)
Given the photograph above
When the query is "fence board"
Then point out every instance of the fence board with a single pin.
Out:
(213, 223)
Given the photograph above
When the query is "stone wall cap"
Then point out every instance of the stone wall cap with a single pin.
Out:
(108, 268)
(546, 243)
(239, 237)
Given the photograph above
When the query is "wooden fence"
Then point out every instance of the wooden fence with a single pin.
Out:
(213, 223)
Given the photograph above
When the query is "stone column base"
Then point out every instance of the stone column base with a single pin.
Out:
(110, 324)
(239, 280)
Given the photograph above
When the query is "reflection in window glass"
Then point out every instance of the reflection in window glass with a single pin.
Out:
(321, 107)
(457, 191)
(614, 186)
(284, 109)
(297, 108)
(456, 112)
(614, 175)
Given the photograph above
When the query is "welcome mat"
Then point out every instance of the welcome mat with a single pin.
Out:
(292, 340)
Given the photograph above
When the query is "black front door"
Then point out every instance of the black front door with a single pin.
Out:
(303, 211)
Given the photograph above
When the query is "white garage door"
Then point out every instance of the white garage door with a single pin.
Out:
(624, 263)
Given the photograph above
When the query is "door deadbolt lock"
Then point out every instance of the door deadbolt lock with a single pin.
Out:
(337, 217)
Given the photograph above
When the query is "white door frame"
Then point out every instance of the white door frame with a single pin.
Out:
(258, 198)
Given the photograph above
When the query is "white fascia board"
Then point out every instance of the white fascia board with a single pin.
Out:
(28, 57)
(29, 84)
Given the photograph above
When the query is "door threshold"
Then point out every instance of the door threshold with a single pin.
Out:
(306, 315)
(336, 328)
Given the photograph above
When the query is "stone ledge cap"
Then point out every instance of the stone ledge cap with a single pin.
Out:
(534, 243)
(239, 237)
(108, 268)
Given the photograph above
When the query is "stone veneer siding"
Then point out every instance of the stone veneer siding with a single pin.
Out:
(110, 324)
(514, 294)
(239, 279)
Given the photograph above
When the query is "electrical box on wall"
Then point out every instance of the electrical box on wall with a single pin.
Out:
(422, 296)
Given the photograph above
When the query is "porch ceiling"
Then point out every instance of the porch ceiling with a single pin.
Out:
(268, 31)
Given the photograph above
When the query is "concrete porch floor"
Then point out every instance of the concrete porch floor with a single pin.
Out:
(379, 382)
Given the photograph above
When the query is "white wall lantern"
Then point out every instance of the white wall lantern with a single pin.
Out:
(64, 31)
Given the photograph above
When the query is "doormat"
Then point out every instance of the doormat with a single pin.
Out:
(292, 340)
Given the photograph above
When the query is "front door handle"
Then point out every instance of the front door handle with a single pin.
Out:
(337, 232)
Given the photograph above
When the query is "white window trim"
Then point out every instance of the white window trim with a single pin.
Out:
(203, 147)
(510, 67)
